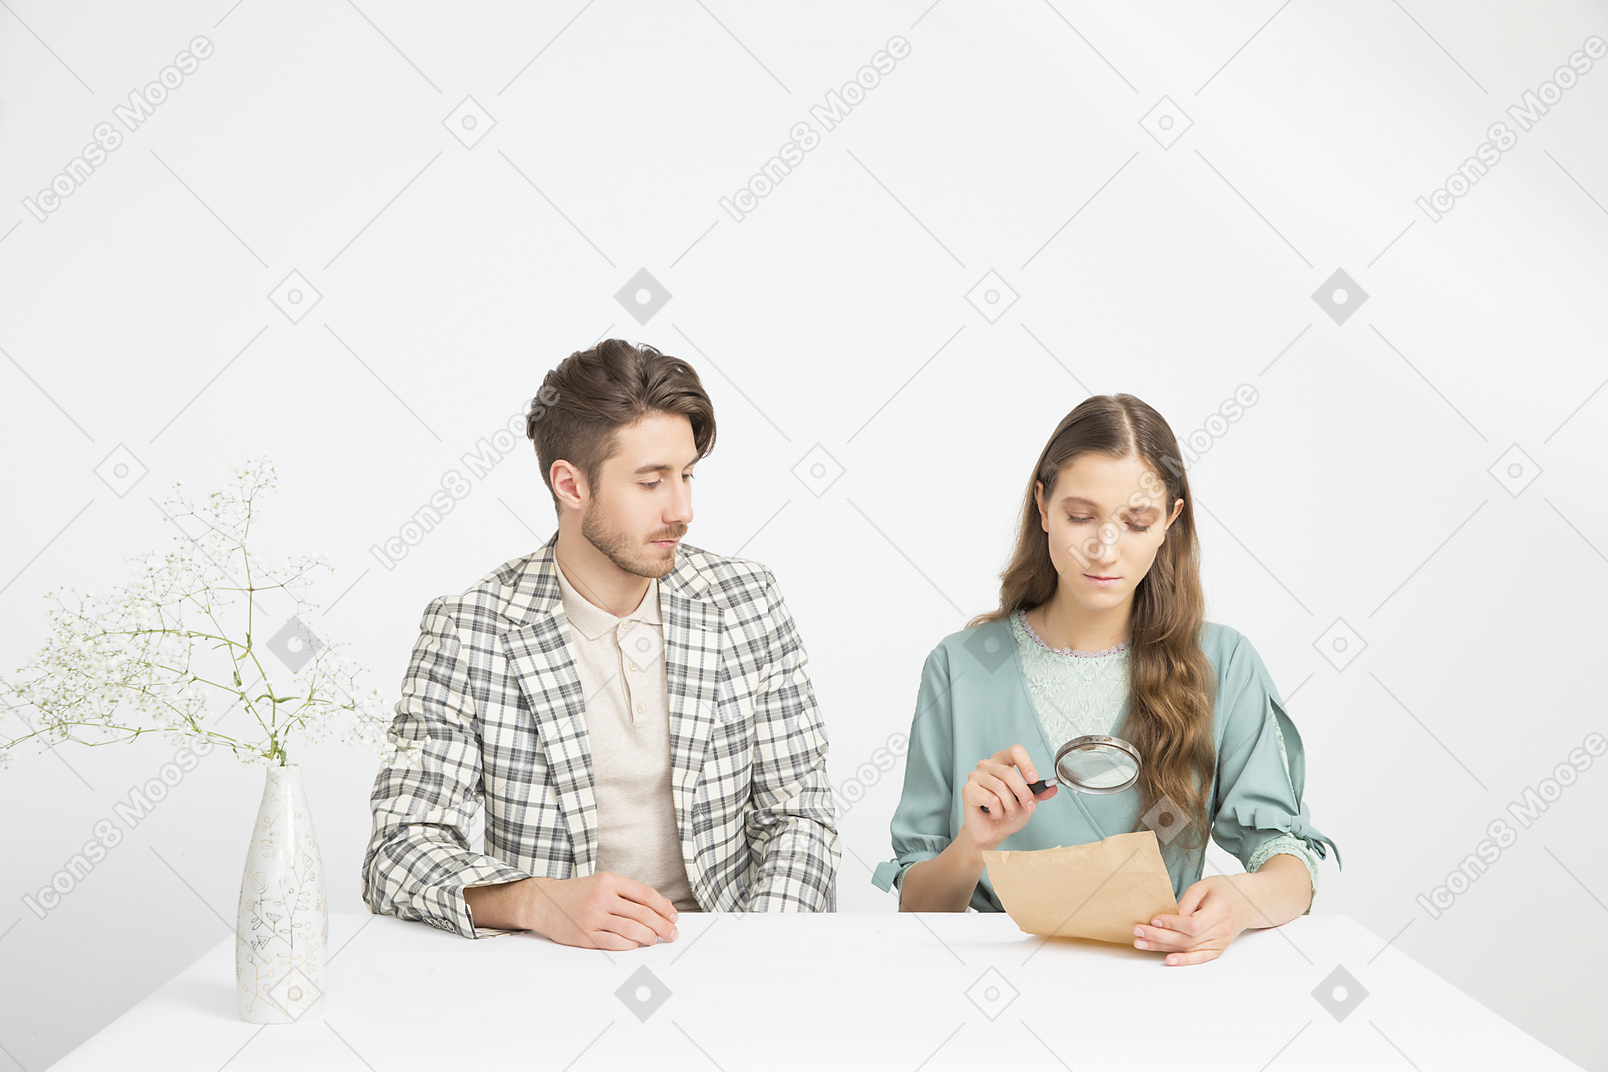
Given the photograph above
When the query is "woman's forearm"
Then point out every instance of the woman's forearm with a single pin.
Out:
(944, 883)
(1279, 891)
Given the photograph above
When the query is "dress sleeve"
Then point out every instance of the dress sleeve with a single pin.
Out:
(921, 822)
(1261, 772)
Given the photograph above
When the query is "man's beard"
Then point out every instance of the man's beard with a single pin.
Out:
(619, 549)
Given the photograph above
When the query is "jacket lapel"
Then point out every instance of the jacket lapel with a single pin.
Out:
(538, 650)
(692, 636)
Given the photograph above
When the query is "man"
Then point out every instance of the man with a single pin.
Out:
(633, 711)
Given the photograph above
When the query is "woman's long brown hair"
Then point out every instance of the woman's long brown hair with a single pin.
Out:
(1172, 685)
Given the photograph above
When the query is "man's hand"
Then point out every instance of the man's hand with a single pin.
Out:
(600, 911)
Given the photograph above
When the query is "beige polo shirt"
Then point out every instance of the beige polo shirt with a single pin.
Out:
(622, 670)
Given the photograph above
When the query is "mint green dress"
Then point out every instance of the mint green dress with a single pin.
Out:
(985, 689)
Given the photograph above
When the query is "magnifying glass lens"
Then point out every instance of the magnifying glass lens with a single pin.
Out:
(1097, 766)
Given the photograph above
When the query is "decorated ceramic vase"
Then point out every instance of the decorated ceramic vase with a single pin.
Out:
(282, 933)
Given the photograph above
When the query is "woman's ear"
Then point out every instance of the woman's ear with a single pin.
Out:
(1038, 500)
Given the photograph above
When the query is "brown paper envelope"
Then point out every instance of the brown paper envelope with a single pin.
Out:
(1099, 890)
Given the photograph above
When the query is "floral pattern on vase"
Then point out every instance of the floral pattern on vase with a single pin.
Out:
(282, 931)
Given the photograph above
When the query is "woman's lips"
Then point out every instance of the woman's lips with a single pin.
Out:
(1102, 582)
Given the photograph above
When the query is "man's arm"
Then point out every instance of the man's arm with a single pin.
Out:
(418, 859)
(792, 840)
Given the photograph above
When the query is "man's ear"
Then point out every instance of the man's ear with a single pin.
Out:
(568, 484)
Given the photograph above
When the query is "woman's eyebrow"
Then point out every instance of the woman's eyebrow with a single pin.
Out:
(1091, 504)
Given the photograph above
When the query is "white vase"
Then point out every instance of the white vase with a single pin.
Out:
(282, 933)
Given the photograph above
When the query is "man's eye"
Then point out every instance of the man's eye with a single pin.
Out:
(651, 486)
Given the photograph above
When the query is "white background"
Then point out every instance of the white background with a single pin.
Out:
(1362, 487)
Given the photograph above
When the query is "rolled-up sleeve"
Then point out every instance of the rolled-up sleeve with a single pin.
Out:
(1261, 772)
(921, 823)
(418, 860)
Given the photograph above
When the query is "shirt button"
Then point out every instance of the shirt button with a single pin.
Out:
(640, 709)
(633, 666)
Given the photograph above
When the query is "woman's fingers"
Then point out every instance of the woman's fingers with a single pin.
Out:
(1019, 756)
(1196, 956)
(1009, 766)
(978, 797)
(1161, 938)
(1191, 925)
(1005, 776)
(997, 786)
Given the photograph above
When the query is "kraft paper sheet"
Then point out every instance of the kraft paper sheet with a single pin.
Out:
(1100, 890)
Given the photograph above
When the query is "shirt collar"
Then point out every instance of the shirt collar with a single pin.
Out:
(592, 621)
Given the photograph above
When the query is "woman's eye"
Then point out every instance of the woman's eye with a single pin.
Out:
(1131, 525)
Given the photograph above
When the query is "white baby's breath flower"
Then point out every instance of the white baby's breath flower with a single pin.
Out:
(189, 627)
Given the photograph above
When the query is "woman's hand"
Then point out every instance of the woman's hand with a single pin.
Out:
(1000, 784)
(1211, 914)
(1214, 911)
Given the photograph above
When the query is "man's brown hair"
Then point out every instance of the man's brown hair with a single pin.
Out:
(592, 393)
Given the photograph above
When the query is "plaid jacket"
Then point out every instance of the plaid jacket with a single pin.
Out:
(492, 683)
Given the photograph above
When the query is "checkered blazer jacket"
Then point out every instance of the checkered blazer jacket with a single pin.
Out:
(492, 684)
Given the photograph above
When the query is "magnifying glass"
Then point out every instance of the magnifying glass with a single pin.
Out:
(1092, 764)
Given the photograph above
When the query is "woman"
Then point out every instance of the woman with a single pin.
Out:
(1101, 630)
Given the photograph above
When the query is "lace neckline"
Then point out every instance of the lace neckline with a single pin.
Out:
(1021, 616)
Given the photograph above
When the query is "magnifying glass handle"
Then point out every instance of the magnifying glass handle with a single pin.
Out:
(1033, 787)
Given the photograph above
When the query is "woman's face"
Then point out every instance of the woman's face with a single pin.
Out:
(1106, 518)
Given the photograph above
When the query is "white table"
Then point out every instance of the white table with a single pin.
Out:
(845, 990)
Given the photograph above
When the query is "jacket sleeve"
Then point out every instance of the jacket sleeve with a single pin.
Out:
(418, 860)
(790, 826)
(1261, 772)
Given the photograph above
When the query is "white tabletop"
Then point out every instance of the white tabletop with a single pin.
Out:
(872, 990)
